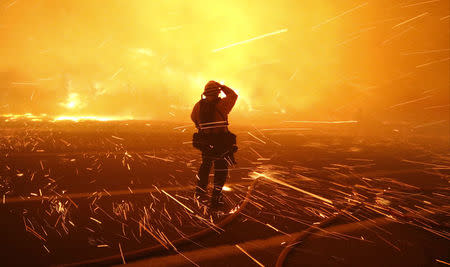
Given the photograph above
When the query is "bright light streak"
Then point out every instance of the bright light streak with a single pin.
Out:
(176, 200)
(91, 118)
(144, 51)
(432, 62)
(249, 40)
(325, 122)
(411, 101)
(411, 19)
(11, 4)
(292, 187)
(338, 16)
(226, 188)
(256, 137)
(116, 73)
(425, 52)
(396, 35)
(421, 3)
(246, 253)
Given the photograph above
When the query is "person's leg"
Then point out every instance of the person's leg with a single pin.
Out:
(220, 176)
(203, 174)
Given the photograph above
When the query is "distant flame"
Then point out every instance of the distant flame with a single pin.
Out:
(73, 101)
(45, 117)
(91, 118)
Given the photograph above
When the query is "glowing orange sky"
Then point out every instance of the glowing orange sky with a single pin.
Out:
(288, 59)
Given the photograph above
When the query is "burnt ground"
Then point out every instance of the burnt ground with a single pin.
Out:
(77, 191)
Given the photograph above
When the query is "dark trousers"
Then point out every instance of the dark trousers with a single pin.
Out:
(220, 173)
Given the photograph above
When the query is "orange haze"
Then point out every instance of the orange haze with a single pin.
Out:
(289, 60)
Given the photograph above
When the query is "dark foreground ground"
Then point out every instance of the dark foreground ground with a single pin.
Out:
(72, 192)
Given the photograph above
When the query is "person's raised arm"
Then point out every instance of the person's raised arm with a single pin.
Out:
(230, 99)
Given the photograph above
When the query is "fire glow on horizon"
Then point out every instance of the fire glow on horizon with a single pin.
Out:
(45, 117)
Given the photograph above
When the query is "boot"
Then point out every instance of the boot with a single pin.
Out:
(200, 194)
(217, 199)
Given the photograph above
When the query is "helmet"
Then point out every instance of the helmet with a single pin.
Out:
(212, 88)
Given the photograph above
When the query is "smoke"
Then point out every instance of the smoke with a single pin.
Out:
(287, 59)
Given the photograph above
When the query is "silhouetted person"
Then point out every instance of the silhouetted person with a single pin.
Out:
(214, 140)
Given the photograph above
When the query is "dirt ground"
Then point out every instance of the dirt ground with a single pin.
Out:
(72, 192)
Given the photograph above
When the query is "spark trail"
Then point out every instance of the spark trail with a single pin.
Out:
(249, 40)
(338, 16)
(293, 187)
